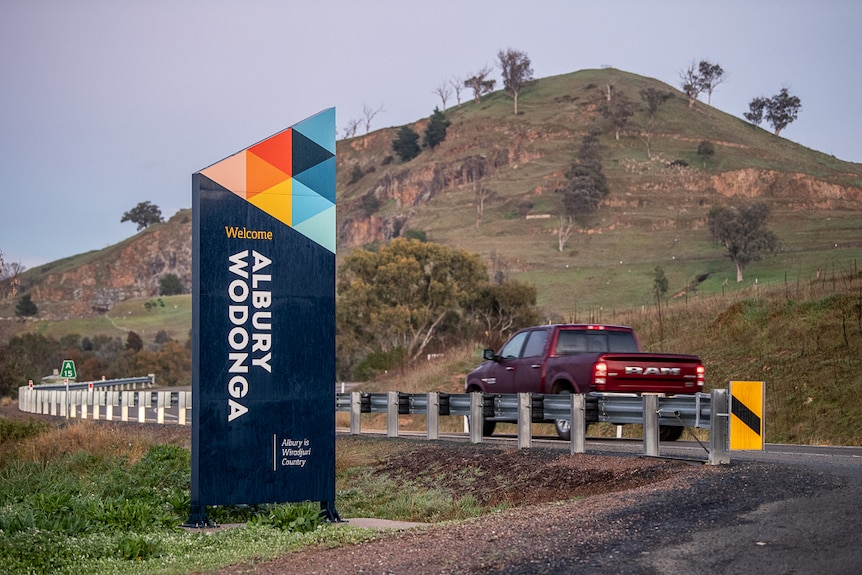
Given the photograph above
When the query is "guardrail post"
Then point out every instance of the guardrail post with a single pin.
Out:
(355, 413)
(578, 425)
(181, 407)
(109, 405)
(719, 424)
(392, 414)
(143, 404)
(432, 417)
(160, 406)
(476, 417)
(651, 429)
(125, 403)
(525, 420)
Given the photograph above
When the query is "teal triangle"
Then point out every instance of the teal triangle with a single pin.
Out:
(306, 203)
(320, 178)
(320, 228)
(320, 129)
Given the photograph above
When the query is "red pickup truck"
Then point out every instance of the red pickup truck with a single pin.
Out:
(580, 358)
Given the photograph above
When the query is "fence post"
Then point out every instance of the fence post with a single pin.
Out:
(143, 404)
(355, 413)
(181, 407)
(525, 420)
(651, 430)
(160, 406)
(392, 414)
(126, 398)
(97, 404)
(432, 417)
(719, 423)
(476, 417)
(578, 424)
(109, 405)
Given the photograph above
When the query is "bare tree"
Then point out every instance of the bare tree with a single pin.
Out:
(565, 231)
(9, 277)
(690, 82)
(517, 72)
(711, 75)
(481, 194)
(480, 84)
(368, 113)
(444, 91)
(653, 99)
(351, 127)
(457, 84)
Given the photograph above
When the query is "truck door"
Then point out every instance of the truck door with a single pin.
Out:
(521, 370)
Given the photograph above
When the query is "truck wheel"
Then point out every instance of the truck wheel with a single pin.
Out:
(488, 428)
(563, 426)
(669, 432)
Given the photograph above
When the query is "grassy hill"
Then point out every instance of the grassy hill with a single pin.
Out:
(655, 215)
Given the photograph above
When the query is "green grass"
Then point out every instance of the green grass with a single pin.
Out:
(174, 317)
(74, 501)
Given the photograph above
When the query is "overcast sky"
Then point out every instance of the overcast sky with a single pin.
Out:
(108, 103)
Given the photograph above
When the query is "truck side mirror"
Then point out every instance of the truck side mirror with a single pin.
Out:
(488, 354)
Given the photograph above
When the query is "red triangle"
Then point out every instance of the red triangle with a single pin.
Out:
(277, 151)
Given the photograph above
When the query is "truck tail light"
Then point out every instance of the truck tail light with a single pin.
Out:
(701, 373)
(600, 374)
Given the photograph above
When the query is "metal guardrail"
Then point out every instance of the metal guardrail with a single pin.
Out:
(111, 400)
(700, 410)
(114, 384)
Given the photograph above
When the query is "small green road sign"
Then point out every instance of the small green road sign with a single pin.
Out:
(68, 369)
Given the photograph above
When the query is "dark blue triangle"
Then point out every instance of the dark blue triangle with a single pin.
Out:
(307, 154)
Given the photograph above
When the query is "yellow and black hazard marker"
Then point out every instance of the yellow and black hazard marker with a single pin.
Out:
(747, 399)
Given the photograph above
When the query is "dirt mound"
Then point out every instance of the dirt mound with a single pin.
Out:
(496, 475)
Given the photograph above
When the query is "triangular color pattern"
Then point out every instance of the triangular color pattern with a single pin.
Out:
(276, 202)
(229, 173)
(290, 176)
(277, 150)
(260, 175)
(319, 129)
(320, 229)
(320, 178)
(306, 153)
(307, 203)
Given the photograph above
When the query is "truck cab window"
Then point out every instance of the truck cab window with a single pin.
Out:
(570, 342)
(512, 349)
(536, 343)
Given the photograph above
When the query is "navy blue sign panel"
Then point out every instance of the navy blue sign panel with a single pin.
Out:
(263, 339)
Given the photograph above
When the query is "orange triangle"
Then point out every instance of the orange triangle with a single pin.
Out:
(277, 150)
(260, 175)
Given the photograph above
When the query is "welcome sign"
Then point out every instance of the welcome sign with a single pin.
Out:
(263, 324)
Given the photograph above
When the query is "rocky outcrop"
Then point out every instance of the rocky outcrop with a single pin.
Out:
(130, 269)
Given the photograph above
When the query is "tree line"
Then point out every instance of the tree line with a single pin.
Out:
(32, 356)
